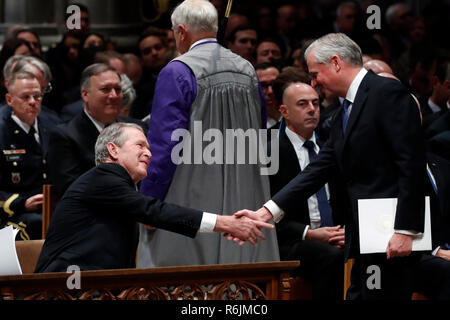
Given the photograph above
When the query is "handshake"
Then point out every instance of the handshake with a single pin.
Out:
(244, 225)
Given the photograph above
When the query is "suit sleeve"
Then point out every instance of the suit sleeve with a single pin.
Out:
(307, 182)
(115, 196)
(175, 92)
(400, 124)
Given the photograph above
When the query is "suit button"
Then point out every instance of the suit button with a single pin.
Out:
(44, 175)
(15, 164)
(43, 161)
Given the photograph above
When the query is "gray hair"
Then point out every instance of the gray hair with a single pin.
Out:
(128, 92)
(196, 15)
(115, 134)
(93, 70)
(335, 44)
(7, 69)
(25, 63)
(20, 75)
(392, 10)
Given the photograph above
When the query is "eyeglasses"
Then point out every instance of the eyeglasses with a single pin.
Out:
(48, 88)
(27, 97)
(266, 85)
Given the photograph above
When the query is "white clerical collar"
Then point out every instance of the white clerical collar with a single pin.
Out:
(201, 41)
(353, 89)
(100, 126)
(25, 127)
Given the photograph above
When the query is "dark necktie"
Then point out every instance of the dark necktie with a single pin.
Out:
(31, 133)
(324, 207)
(432, 182)
(345, 105)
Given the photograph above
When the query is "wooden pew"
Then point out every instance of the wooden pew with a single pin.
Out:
(48, 206)
(249, 281)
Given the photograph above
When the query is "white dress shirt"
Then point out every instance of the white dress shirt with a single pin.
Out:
(303, 159)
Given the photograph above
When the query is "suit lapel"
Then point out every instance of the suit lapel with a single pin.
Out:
(288, 154)
(358, 104)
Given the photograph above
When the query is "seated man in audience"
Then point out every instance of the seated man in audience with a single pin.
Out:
(43, 74)
(432, 275)
(94, 225)
(23, 161)
(313, 235)
(268, 50)
(71, 150)
(267, 72)
(242, 41)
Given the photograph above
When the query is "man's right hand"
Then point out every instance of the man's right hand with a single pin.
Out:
(262, 214)
(334, 236)
(34, 203)
(241, 229)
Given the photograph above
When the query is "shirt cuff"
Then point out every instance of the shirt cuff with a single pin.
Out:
(304, 233)
(408, 232)
(275, 210)
(208, 222)
(435, 251)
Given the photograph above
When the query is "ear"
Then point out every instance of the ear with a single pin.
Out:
(8, 98)
(113, 150)
(335, 62)
(283, 110)
(84, 94)
(183, 31)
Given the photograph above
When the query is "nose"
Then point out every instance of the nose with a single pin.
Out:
(114, 93)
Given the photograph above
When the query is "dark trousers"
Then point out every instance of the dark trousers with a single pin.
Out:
(374, 277)
(321, 264)
(432, 277)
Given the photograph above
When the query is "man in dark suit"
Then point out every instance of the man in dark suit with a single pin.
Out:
(432, 275)
(71, 150)
(95, 224)
(23, 162)
(377, 145)
(308, 234)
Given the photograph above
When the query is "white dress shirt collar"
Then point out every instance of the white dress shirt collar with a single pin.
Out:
(353, 89)
(25, 127)
(100, 126)
(433, 106)
(298, 141)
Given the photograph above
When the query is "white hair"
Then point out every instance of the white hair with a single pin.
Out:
(196, 15)
(335, 44)
(392, 10)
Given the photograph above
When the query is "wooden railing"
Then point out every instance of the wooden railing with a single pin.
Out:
(250, 281)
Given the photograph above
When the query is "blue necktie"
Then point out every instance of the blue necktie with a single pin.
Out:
(345, 105)
(324, 206)
(432, 182)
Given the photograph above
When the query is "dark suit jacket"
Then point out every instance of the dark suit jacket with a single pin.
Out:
(95, 226)
(23, 162)
(439, 125)
(439, 205)
(71, 150)
(291, 227)
(381, 155)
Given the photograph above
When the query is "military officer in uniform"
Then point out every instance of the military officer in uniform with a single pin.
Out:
(23, 165)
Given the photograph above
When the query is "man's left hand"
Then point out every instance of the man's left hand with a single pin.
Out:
(400, 245)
